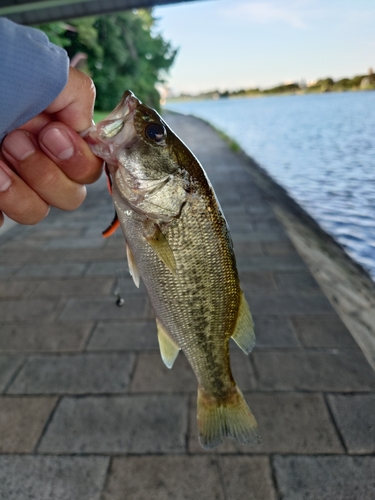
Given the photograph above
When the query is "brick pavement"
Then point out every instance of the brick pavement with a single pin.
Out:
(88, 410)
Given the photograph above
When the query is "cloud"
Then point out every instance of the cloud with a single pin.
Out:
(291, 13)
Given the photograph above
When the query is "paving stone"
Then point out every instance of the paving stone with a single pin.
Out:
(118, 424)
(323, 330)
(28, 244)
(16, 289)
(239, 224)
(247, 249)
(52, 478)
(342, 371)
(135, 307)
(69, 243)
(22, 421)
(49, 232)
(151, 375)
(98, 254)
(66, 287)
(235, 213)
(260, 209)
(257, 282)
(274, 331)
(8, 271)
(318, 478)
(28, 310)
(269, 225)
(8, 367)
(282, 304)
(106, 268)
(270, 263)
(51, 270)
(74, 374)
(124, 335)
(259, 237)
(43, 337)
(296, 282)
(279, 248)
(162, 478)
(355, 417)
(35, 256)
(241, 368)
(288, 423)
(247, 478)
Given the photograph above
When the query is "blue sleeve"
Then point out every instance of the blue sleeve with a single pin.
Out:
(33, 73)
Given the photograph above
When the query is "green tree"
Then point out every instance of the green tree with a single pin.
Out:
(124, 52)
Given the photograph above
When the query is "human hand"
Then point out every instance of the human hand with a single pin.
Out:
(46, 162)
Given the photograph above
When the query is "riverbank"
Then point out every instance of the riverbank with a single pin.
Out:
(323, 85)
(348, 285)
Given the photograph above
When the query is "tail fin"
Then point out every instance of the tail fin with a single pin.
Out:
(218, 419)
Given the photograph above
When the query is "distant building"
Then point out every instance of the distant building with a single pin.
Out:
(368, 82)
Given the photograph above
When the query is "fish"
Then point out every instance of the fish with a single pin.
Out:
(178, 243)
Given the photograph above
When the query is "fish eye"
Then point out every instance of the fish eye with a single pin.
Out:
(112, 129)
(155, 132)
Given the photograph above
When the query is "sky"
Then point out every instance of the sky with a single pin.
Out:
(233, 44)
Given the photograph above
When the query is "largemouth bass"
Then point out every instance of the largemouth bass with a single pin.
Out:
(178, 242)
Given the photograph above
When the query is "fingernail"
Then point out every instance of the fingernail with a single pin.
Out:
(5, 181)
(58, 143)
(19, 145)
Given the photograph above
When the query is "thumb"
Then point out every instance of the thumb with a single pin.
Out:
(74, 105)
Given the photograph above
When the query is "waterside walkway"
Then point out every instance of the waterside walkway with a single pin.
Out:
(89, 412)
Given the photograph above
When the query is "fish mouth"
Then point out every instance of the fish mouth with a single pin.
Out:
(127, 105)
(115, 131)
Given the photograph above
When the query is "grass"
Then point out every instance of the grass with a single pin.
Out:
(100, 115)
(234, 146)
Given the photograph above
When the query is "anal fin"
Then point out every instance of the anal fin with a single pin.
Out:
(133, 269)
(168, 348)
(243, 333)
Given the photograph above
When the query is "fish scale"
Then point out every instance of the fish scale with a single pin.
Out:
(179, 244)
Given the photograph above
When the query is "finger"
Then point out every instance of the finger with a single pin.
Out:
(70, 152)
(75, 104)
(36, 124)
(17, 200)
(39, 172)
(1, 219)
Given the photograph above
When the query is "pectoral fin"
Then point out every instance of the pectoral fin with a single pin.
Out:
(160, 245)
(243, 333)
(168, 347)
(133, 269)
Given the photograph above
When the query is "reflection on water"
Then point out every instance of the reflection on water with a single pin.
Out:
(321, 148)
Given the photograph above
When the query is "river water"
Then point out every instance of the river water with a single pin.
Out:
(320, 147)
